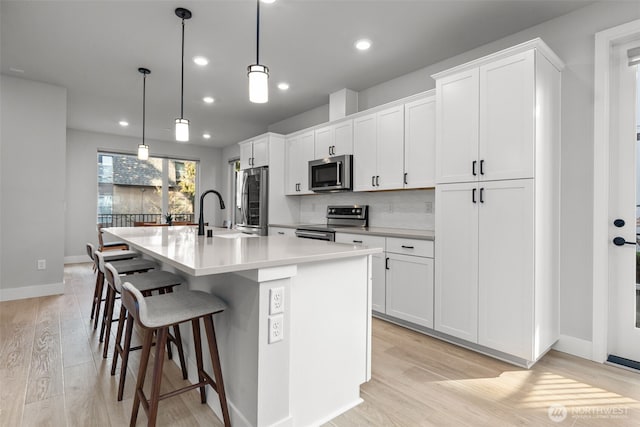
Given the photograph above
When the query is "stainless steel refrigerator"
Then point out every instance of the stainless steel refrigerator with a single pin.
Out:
(252, 201)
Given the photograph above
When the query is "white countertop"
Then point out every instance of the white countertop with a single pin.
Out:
(376, 231)
(228, 250)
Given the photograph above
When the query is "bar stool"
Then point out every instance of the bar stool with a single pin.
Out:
(108, 257)
(156, 314)
(156, 280)
(126, 266)
(109, 246)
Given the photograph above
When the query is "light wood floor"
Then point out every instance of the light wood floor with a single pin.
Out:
(52, 374)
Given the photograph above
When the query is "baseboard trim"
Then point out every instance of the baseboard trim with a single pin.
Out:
(77, 259)
(574, 346)
(34, 291)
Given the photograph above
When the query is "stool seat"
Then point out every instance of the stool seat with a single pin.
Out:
(112, 244)
(128, 266)
(120, 255)
(151, 281)
(178, 307)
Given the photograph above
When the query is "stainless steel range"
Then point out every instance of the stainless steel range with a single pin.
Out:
(337, 216)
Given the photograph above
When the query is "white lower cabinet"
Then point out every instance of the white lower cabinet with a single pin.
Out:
(282, 231)
(410, 288)
(378, 286)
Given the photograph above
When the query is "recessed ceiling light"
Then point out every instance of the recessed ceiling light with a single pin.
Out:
(208, 99)
(123, 123)
(283, 86)
(268, 1)
(206, 135)
(200, 60)
(363, 44)
(16, 70)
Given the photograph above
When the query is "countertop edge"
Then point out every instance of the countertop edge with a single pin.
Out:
(403, 233)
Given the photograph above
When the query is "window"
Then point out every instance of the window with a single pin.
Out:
(132, 190)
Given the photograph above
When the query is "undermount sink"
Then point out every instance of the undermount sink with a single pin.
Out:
(234, 235)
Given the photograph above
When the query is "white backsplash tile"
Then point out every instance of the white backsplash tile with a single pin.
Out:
(397, 209)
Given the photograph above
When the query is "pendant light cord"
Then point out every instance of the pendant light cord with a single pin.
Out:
(144, 103)
(258, 34)
(182, 76)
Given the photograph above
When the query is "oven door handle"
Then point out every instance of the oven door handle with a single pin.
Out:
(318, 235)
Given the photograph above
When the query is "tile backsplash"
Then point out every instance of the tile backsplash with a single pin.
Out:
(398, 209)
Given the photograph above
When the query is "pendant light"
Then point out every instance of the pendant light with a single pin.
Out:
(182, 124)
(143, 149)
(258, 74)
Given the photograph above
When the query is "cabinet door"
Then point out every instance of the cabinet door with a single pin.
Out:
(323, 142)
(343, 138)
(364, 152)
(457, 127)
(506, 267)
(298, 152)
(410, 288)
(507, 118)
(246, 154)
(260, 152)
(420, 143)
(456, 245)
(390, 149)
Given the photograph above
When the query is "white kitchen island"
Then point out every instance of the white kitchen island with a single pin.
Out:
(315, 371)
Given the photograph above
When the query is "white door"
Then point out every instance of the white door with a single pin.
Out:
(456, 259)
(324, 142)
(507, 118)
(343, 138)
(364, 153)
(624, 188)
(457, 98)
(420, 143)
(410, 288)
(506, 261)
(260, 152)
(246, 154)
(390, 149)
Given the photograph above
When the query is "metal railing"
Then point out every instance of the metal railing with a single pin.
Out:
(128, 220)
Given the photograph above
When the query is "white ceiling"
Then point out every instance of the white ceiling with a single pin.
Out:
(94, 48)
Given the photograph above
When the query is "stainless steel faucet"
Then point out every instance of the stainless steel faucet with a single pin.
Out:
(201, 218)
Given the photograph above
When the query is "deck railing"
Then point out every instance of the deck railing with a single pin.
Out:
(127, 220)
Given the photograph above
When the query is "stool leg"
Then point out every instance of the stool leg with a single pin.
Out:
(169, 350)
(198, 350)
(98, 297)
(108, 320)
(125, 356)
(157, 376)
(217, 369)
(142, 370)
(117, 346)
(178, 341)
(108, 303)
(95, 295)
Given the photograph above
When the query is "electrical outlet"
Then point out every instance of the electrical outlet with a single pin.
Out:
(276, 300)
(42, 264)
(276, 328)
(429, 207)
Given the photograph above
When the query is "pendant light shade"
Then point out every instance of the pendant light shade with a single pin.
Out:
(258, 83)
(182, 130)
(258, 74)
(182, 124)
(143, 149)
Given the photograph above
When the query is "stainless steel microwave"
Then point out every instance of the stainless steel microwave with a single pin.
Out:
(330, 174)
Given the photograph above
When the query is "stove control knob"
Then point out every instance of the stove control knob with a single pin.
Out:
(353, 211)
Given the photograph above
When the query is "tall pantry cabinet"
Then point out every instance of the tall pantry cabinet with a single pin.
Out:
(498, 201)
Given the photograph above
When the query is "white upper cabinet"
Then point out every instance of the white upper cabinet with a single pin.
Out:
(486, 118)
(334, 140)
(254, 153)
(298, 153)
(420, 143)
(378, 150)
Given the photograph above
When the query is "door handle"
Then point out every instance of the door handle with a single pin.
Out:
(473, 167)
(473, 195)
(377, 180)
(481, 195)
(482, 167)
(407, 247)
(619, 241)
(405, 179)
(338, 169)
(357, 241)
(386, 263)
(373, 180)
(619, 222)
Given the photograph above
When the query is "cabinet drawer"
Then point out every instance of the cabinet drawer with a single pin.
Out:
(282, 231)
(361, 239)
(422, 248)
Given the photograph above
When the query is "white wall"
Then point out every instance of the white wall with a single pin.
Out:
(32, 190)
(82, 181)
(572, 37)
